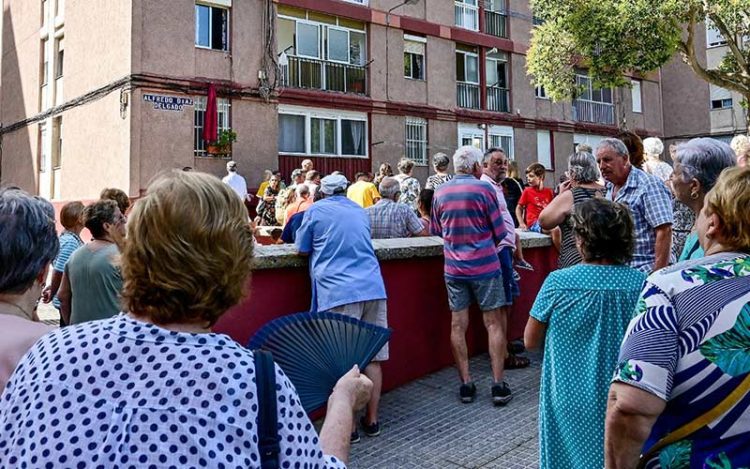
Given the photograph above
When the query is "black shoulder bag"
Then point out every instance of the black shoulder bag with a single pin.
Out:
(268, 437)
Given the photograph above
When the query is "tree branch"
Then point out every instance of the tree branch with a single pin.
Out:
(731, 42)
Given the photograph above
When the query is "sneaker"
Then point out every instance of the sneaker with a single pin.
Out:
(501, 394)
(522, 264)
(516, 276)
(354, 438)
(467, 392)
(371, 429)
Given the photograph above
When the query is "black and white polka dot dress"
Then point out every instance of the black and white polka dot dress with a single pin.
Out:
(122, 393)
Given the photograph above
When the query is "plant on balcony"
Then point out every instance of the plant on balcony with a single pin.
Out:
(614, 37)
(223, 143)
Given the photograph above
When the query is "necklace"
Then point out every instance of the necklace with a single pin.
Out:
(23, 312)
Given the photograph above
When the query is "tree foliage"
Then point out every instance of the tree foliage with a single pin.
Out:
(613, 37)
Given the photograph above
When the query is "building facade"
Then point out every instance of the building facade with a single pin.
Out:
(108, 94)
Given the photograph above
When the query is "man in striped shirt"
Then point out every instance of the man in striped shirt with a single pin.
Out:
(465, 212)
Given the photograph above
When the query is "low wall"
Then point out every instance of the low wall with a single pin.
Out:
(418, 310)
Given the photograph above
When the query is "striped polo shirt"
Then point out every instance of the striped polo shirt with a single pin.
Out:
(466, 214)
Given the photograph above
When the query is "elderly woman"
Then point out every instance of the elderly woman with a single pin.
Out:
(741, 146)
(409, 185)
(579, 318)
(680, 395)
(582, 185)
(267, 206)
(440, 162)
(384, 171)
(28, 244)
(154, 387)
(652, 150)
(697, 165)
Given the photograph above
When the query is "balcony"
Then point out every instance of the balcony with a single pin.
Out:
(593, 111)
(498, 99)
(495, 23)
(467, 95)
(323, 75)
(467, 16)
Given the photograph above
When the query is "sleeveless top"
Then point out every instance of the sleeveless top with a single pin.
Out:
(568, 252)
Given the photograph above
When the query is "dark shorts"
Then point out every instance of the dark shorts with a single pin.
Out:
(488, 293)
(510, 285)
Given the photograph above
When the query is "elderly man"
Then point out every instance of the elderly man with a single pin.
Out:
(363, 191)
(649, 201)
(345, 273)
(466, 214)
(298, 177)
(391, 219)
(306, 166)
(235, 181)
(312, 180)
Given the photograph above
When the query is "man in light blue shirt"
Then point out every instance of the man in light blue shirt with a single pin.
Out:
(344, 272)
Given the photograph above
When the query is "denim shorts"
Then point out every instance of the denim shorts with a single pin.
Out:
(489, 293)
(510, 285)
(535, 227)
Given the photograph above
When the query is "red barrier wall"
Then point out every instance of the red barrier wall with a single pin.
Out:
(417, 310)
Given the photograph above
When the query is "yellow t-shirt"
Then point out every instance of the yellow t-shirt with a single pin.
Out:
(364, 193)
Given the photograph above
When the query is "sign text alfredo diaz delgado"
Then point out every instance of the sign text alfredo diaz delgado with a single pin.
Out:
(167, 103)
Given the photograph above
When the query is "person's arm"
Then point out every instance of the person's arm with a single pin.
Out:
(350, 394)
(51, 290)
(520, 216)
(65, 295)
(303, 239)
(663, 246)
(414, 224)
(555, 213)
(533, 335)
(631, 413)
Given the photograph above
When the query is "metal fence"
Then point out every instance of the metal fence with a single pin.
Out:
(323, 75)
(585, 110)
(467, 95)
(498, 99)
(495, 23)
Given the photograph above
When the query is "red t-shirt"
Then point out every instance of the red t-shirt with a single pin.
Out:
(535, 200)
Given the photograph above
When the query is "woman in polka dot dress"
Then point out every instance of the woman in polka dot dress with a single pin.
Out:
(153, 387)
(579, 318)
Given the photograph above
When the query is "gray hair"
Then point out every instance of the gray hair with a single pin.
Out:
(302, 189)
(440, 161)
(28, 240)
(653, 146)
(582, 167)
(615, 144)
(465, 158)
(704, 159)
(490, 151)
(389, 187)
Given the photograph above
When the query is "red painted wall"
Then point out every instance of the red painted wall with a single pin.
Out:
(417, 310)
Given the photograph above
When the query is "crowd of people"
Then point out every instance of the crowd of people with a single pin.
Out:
(645, 346)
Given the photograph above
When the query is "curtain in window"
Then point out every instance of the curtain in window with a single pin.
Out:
(291, 133)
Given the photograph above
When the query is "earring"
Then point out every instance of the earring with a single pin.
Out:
(694, 195)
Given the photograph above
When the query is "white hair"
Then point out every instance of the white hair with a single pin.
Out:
(653, 146)
(389, 187)
(465, 158)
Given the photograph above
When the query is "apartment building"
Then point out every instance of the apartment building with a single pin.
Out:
(96, 94)
(711, 111)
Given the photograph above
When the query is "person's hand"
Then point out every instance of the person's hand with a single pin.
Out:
(47, 294)
(564, 186)
(523, 227)
(355, 387)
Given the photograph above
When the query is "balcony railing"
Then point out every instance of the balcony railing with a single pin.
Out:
(467, 16)
(467, 95)
(498, 99)
(495, 23)
(593, 111)
(323, 75)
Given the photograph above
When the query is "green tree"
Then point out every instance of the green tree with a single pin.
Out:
(613, 37)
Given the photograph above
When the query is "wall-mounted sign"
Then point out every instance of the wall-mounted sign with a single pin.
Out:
(167, 103)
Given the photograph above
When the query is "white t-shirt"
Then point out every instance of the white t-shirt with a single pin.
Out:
(237, 183)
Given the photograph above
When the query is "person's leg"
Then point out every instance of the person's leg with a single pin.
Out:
(375, 373)
(459, 324)
(496, 323)
(375, 312)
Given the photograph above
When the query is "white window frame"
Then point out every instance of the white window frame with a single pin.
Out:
(588, 139)
(544, 149)
(636, 96)
(213, 5)
(473, 132)
(323, 48)
(590, 85)
(420, 40)
(328, 44)
(358, 2)
(540, 92)
(475, 56)
(223, 108)
(469, 7)
(713, 36)
(416, 127)
(502, 132)
(311, 113)
(297, 36)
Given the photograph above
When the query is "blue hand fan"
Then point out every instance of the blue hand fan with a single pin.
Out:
(316, 349)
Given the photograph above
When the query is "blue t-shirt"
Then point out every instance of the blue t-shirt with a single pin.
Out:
(69, 242)
(343, 268)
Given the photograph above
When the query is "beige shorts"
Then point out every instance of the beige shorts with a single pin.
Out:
(374, 312)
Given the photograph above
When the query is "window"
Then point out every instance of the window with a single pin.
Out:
(321, 37)
(57, 136)
(501, 136)
(42, 145)
(472, 135)
(59, 61)
(211, 27)
(308, 40)
(467, 66)
(540, 92)
(45, 11)
(713, 36)
(222, 111)
(45, 62)
(308, 131)
(635, 93)
(720, 98)
(414, 52)
(497, 70)
(467, 14)
(544, 148)
(416, 140)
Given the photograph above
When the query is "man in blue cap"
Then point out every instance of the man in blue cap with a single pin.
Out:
(344, 273)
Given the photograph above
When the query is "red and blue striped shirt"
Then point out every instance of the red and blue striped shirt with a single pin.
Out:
(466, 214)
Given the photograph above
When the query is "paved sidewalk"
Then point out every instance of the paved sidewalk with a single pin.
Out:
(425, 425)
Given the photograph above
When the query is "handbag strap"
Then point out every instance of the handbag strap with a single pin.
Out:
(268, 437)
(701, 421)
